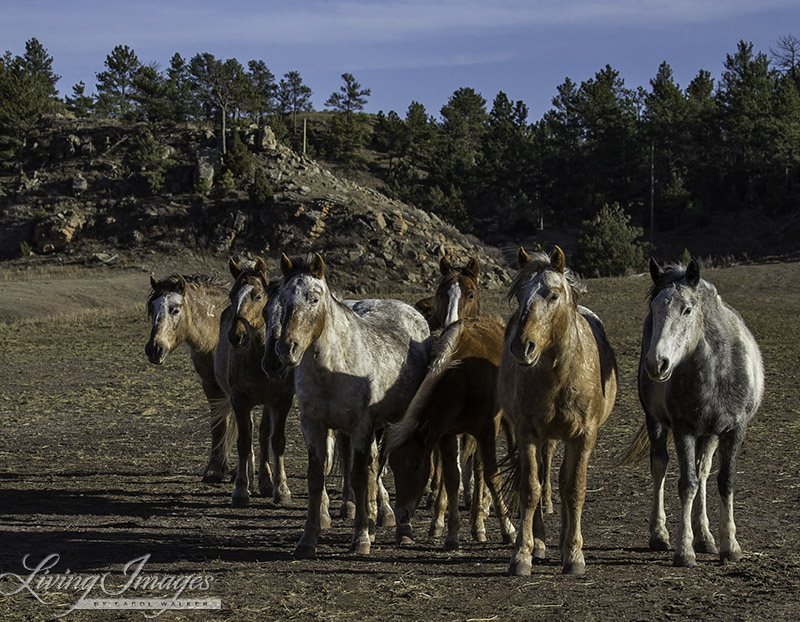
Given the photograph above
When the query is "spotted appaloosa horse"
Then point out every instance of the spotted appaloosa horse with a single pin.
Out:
(557, 380)
(187, 309)
(353, 372)
(702, 378)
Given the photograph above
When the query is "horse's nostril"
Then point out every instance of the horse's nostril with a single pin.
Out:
(663, 365)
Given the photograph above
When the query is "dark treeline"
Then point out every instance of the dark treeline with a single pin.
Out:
(603, 148)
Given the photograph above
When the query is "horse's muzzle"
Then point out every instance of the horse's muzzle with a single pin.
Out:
(526, 353)
(289, 353)
(155, 353)
(658, 369)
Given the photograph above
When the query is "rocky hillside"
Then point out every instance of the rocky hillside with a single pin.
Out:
(81, 197)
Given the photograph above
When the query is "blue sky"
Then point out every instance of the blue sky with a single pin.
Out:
(408, 50)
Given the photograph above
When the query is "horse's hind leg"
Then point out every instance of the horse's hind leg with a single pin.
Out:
(659, 536)
(348, 507)
(439, 506)
(264, 469)
(703, 540)
(451, 475)
(221, 433)
(491, 475)
(726, 481)
(478, 508)
(360, 475)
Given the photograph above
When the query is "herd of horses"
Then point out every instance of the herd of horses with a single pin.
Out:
(381, 381)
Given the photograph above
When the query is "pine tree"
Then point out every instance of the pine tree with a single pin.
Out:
(217, 84)
(115, 84)
(293, 96)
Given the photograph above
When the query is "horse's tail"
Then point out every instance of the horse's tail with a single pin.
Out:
(222, 411)
(639, 447)
(441, 360)
(510, 473)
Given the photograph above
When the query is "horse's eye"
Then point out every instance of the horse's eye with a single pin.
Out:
(471, 296)
(686, 311)
(174, 310)
(314, 300)
(552, 296)
(257, 297)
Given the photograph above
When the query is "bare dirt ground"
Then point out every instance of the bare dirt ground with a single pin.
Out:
(101, 455)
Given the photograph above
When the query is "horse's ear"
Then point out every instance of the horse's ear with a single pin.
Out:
(317, 267)
(286, 265)
(473, 269)
(181, 285)
(234, 267)
(656, 272)
(522, 257)
(153, 282)
(261, 267)
(444, 265)
(693, 273)
(557, 260)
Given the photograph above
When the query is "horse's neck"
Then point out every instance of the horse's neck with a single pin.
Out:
(204, 334)
(339, 337)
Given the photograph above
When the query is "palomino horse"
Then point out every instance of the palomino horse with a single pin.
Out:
(456, 295)
(457, 396)
(187, 309)
(557, 380)
(700, 376)
(242, 335)
(353, 372)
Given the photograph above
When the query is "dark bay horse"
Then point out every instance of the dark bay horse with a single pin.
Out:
(242, 335)
(353, 372)
(702, 378)
(457, 396)
(557, 380)
(187, 310)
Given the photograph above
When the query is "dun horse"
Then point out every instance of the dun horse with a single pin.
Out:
(187, 309)
(701, 377)
(352, 373)
(557, 380)
(457, 396)
(242, 335)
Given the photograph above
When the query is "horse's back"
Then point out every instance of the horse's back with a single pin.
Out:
(608, 360)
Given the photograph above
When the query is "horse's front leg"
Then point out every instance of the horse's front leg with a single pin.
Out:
(729, 444)
(360, 475)
(545, 468)
(245, 473)
(572, 487)
(703, 540)
(265, 488)
(316, 444)
(687, 490)
(348, 507)
(386, 517)
(479, 505)
(529, 494)
(279, 483)
(659, 457)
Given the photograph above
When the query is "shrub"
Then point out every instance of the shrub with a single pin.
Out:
(260, 192)
(238, 159)
(608, 245)
(149, 160)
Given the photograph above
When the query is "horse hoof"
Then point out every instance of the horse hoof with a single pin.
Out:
(282, 498)
(212, 478)
(706, 546)
(479, 536)
(451, 545)
(240, 501)
(403, 540)
(684, 561)
(435, 531)
(519, 569)
(324, 522)
(304, 551)
(658, 544)
(508, 538)
(265, 489)
(348, 510)
(548, 508)
(360, 548)
(576, 568)
(730, 556)
(539, 554)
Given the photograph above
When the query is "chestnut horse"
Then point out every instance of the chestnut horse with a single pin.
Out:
(557, 380)
(457, 396)
(702, 378)
(187, 309)
(455, 297)
(353, 372)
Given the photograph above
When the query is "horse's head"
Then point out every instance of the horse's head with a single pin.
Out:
(456, 294)
(546, 296)
(676, 315)
(272, 316)
(409, 457)
(304, 297)
(167, 313)
(248, 296)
